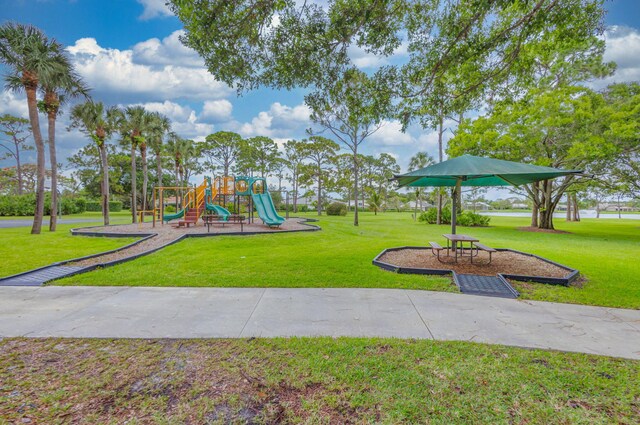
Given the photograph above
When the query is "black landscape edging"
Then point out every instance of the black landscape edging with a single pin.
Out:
(565, 281)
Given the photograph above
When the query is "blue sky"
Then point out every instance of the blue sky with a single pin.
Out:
(128, 51)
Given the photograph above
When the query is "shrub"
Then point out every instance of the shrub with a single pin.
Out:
(465, 218)
(471, 219)
(25, 205)
(115, 206)
(169, 209)
(431, 215)
(337, 208)
(94, 206)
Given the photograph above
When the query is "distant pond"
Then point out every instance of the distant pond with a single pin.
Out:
(583, 214)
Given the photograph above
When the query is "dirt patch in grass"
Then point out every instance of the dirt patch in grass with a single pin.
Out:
(307, 380)
(502, 262)
(538, 230)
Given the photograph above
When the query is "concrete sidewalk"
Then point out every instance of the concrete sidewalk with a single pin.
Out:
(135, 312)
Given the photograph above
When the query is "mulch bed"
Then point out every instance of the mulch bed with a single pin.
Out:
(503, 262)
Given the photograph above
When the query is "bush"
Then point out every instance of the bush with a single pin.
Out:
(25, 205)
(431, 215)
(337, 208)
(96, 206)
(465, 218)
(471, 219)
(169, 209)
(114, 206)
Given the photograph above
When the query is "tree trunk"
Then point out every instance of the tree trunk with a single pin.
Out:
(440, 158)
(159, 169)
(32, 104)
(619, 209)
(53, 216)
(576, 210)
(598, 208)
(145, 176)
(319, 206)
(105, 183)
(134, 185)
(569, 216)
(355, 185)
(546, 213)
(18, 169)
(295, 194)
(535, 210)
(177, 184)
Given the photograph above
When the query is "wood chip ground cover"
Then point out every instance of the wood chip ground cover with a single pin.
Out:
(502, 262)
(303, 380)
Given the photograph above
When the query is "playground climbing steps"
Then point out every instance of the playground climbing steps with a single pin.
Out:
(195, 205)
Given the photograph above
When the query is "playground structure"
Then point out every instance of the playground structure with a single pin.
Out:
(192, 202)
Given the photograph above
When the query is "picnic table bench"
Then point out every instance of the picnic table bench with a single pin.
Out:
(479, 246)
(212, 219)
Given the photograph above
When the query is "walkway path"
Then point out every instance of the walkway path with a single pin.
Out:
(135, 312)
(6, 224)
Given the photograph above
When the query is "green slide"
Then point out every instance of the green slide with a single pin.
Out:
(266, 210)
(169, 217)
(218, 210)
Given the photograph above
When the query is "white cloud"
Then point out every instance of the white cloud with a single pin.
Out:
(390, 134)
(217, 110)
(364, 60)
(168, 51)
(172, 110)
(191, 128)
(279, 121)
(114, 73)
(13, 104)
(623, 47)
(154, 9)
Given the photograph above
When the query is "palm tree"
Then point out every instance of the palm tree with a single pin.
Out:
(175, 148)
(134, 125)
(99, 123)
(418, 161)
(30, 56)
(158, 127)
(375, 201)
(57, 87)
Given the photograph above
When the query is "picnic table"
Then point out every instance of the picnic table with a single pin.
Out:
(454, 240)
(212, 219)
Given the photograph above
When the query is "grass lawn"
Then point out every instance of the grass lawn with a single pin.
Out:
(318, 380)
(21, 251)
(605, 251)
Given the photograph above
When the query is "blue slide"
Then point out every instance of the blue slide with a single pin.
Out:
(266, 210)
(217, 209)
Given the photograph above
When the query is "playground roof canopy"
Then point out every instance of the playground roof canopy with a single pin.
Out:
(472, 170)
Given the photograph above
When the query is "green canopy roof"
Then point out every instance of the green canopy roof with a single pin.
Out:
(477, 171)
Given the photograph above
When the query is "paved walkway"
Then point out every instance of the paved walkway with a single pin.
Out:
(135, 312)
(6, 224)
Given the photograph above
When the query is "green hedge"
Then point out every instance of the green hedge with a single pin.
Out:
(25, 205)
(96, 206)
(337, 208)
(465, 218)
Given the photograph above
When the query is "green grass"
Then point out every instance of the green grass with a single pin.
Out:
(309, 380)
(21, 251)
(606, 252)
